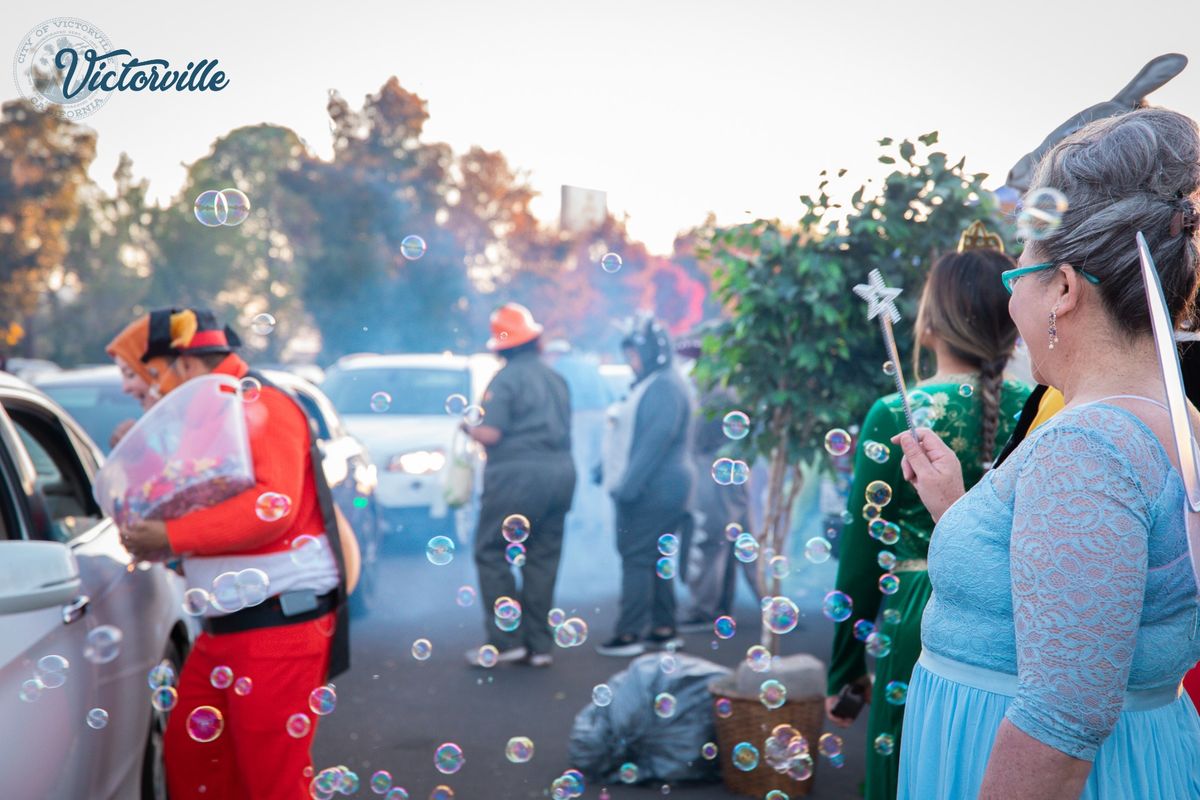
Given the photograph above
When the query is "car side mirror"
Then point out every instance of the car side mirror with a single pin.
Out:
(36, 575)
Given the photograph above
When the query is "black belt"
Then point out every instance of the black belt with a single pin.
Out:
(268, 614)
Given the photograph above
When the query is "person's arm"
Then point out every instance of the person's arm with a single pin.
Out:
(279, 448)
(932, 468)
(1078, 563)
(659, 414)
(858, 561)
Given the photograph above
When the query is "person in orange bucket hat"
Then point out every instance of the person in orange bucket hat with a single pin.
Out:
(527, 486)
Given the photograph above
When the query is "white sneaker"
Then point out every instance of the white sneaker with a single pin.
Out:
(502, 657)
(540, 659)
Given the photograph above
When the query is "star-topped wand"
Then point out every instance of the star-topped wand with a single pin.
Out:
(881, 303)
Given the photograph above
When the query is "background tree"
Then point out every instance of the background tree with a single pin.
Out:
(43, 162)
(797, 349)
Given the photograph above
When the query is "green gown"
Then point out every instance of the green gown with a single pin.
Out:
(954, 414)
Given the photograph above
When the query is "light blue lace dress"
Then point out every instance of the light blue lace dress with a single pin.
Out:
(1063, 600)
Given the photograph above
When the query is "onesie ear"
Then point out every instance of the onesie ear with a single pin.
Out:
(1153, 76)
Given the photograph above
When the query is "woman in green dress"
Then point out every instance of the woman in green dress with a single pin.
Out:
(963, 319)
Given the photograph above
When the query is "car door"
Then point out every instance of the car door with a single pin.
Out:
(139, 601)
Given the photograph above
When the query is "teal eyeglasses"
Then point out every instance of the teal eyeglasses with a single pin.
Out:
(1009, 276)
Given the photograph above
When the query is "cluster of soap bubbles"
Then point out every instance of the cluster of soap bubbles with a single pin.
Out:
(440, 550)
(730, 472)
(1041, 213)
(736, 425)
(272, 506)
(745, 548)
(233, 591)
(786, 752)
(780, 614)
(568, 785)
(448, 758)
(103, 644)
(344, 781)
(830, 746)
(572, 632)
(506, 613)
(214, 207)
(876, 451)
(161, 680)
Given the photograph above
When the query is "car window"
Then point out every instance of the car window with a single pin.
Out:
(314, 413)
(409, 390)
(62, 484)
(99, 408)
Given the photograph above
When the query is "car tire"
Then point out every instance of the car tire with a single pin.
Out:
(154, 774)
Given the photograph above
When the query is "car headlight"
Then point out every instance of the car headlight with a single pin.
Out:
(417, 462)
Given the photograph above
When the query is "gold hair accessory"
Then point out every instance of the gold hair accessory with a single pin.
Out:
(183, 328)
(978, 237)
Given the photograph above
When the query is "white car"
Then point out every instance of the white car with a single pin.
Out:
(396, 405)
(80, 626)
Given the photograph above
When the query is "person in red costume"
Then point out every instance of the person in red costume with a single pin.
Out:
(288, 645)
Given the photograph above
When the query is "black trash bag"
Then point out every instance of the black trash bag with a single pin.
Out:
(629, 731)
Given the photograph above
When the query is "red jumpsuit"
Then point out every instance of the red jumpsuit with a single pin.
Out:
(255, 756)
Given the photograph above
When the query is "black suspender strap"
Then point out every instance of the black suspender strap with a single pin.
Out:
(339, 657)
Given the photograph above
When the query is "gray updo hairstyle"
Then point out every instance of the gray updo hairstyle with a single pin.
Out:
(1120, 175)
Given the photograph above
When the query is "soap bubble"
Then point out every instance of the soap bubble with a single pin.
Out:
(781, 615)
(31, 690)
(456, 404)
(668, 544)
(818, 550)
(837, 442)
(221, 677)
(572, 633)
(891, 616)
(722, 471)
(243, 686)
(779, 567)
(736, 425)
(161, 675)
(164, 698)
(195, 601)
(211, 208)
(412, 247)
(776, 794)
(263, 324)
(515, 554)
(668, 664)
(397, 793)
(879, 493)
(732, 532)
(298, 725)
(205, 723)
(556, 617)
(602, 695)
(724, 627)
(863, 628)
(272, 506)
(966, 390)
(708, 750)
(473, 416)
(829, 745)
(97, 718)
(772, 693)
(488, 656)
(885, 744)
(837, 606)
(665, 568)
(52, 671)
(896, 692)
(381, 781)
(422, 649)
(886, 559)
(879, 644)
(253, 586)
(889, 368)
(723, 707)
(745, 548)
(628, 773)
(440, 550)
(249, 389)
(237, 207)
(610, 262)
(1041, 213)
(891, 534)
(306, 550)
(758, 658)
(739, 472)
(441, 792)
(889, 583)
(322, 700)
(519, 749)
(448, 758)
(103, 644)
(664, 705)
(465, 596)
(381, 402)
(877, 452)
(515, 528)
(745, 756)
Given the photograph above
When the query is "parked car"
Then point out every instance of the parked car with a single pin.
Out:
(93, 397)
(396, 404)
(29, 368)
(64, 576)
(619, 378)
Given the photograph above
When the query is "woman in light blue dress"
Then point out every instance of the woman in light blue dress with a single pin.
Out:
(1064, 610)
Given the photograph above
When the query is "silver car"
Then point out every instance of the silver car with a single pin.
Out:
(80, 625)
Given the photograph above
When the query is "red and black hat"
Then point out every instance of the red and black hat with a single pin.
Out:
(196, 332)
(159, 339)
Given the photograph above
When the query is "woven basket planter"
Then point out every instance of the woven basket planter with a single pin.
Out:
(752, 722)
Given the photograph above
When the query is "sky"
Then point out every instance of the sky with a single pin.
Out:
(675, 109)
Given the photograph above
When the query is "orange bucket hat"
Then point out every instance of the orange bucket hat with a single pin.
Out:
(512, 326)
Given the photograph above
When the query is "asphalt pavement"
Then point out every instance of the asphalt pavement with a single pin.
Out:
(393, 710)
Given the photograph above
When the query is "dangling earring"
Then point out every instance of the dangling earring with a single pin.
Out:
(1053, 329)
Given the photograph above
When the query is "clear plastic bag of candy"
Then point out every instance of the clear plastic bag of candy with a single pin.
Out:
(189, 451)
